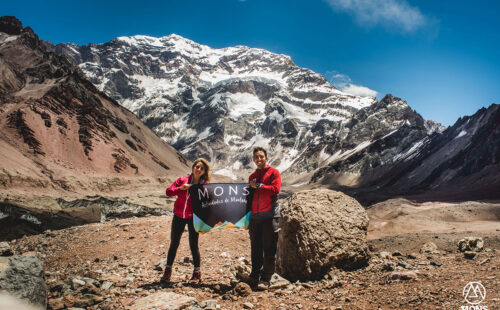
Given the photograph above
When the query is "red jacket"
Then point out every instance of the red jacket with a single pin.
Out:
(182, 206)
(270, 181)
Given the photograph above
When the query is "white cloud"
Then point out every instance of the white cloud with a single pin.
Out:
(358, 90)
(394, 14)
(339, 80)
(344, 83)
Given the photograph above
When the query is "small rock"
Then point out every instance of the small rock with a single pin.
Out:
(397, 253)
(121, 283)
(388, 265)
(278, 282)
(161, 264)
(164, 300)
(484, 261)
(56, 304)
(306, 285)
(77, 283)
(209, 304)
(106, 285)
(243, 273)
(68, 301)
(404, 275)
(248, 305)
(470, 254)
(58, 286)
(5, 249)
(412, 256)
(385, 255)
(429, 248)
(333, 283)
(436, 262)
(127, 301)
(111, 277)
(242, 289)
(84, 302)
(402, 263)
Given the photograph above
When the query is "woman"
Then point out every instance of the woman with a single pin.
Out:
(183, 214)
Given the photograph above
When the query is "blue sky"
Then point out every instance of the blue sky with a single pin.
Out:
(440, 56)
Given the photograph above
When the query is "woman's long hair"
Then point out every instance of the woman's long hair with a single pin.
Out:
(206, 175)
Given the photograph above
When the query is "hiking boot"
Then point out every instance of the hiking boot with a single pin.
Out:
(166, 275)
(196, 277)
(252, 281)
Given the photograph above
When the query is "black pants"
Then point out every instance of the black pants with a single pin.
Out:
(178, 225)
(263, 242)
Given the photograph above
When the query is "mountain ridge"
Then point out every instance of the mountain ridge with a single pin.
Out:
(61, 133)
(219, 103)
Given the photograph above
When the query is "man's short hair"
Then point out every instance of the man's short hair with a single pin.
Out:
(259, 149)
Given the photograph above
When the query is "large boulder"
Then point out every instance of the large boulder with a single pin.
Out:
(321, 229)
(24, 278)
(473, 244)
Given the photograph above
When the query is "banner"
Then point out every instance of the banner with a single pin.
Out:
(219, 205)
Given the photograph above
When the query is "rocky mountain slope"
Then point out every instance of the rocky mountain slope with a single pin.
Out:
(63, 138)
(462, 163)
(216, 103)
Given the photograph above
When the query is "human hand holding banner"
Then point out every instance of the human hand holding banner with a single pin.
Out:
(219, 205)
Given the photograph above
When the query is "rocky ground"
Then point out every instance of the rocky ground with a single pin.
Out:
(112, 265)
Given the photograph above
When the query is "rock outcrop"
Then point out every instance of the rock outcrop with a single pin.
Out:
(24, 277)
(321, 230)
(472, 244)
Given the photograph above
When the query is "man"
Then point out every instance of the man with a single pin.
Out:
(265, 184)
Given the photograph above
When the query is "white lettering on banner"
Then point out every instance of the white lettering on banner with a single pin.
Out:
(221, 191)
(233, 189)
(243, 200)
(203, 193)
(211, 203)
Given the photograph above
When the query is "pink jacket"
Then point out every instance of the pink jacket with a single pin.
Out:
(182, 206)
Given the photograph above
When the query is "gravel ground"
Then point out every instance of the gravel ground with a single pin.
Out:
(126, 253)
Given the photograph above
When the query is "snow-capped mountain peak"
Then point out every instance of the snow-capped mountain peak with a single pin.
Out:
(219, 103)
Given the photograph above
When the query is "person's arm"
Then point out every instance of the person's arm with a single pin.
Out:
(275, 185)
(175, 188)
